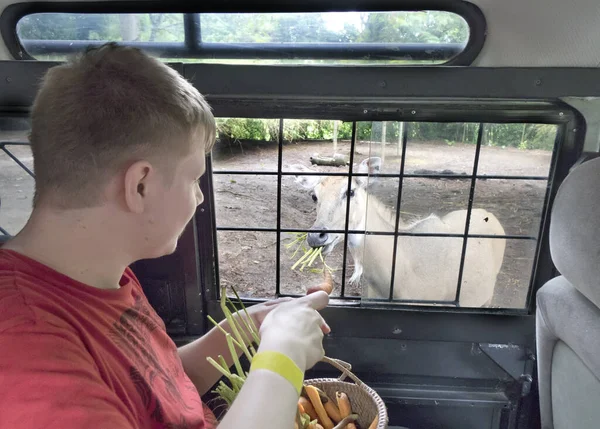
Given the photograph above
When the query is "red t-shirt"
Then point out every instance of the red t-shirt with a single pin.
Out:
(74, 356)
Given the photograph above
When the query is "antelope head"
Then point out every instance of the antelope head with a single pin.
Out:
(330, 195)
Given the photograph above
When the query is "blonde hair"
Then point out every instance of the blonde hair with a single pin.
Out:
(104, 109)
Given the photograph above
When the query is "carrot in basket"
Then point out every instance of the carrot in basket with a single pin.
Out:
(347, 422)
(315, 398)
(375, 422)
(343, 404)
(322, 395)
(308, 408)
(333, 411)
(345, 407)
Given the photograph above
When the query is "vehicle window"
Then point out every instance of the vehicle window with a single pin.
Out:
(395, 37)
(426, 168)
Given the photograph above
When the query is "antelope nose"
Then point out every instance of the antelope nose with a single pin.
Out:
(317, 239)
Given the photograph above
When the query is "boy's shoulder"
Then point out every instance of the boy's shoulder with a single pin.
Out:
(31, 293)
(14, 310)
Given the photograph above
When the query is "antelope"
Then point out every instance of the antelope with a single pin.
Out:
(426, 268)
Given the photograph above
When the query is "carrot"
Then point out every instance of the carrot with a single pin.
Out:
(343, 404)
(333, 411)
(347, 422)
(322, 395)
(315, 398)
(318, 426)
(326, 286)
(308, 408)
(375, 422)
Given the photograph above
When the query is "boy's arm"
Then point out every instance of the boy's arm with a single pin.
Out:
(193, 358)
(48, 381)
(193, 355)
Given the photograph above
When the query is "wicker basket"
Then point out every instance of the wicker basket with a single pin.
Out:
(364, 401)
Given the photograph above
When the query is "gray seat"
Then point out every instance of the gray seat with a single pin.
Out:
(568, 307)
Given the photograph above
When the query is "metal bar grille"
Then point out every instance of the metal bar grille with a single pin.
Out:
(267, 51)
(398, 204)
(469, 208)
(13, 157)
(279, 177)
(214, 231)
(345, 257)
(3, 147)
(356, 231)
(465, 235)
(388, 175)
(191, 27)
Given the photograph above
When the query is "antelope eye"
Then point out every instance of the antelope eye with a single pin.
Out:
(314, 197)
(351, 193)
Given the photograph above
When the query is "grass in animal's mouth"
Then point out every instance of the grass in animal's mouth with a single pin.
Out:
(309, 254)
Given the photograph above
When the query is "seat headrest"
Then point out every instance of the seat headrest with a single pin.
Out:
(575, 229)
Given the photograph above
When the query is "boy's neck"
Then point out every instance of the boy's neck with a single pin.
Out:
(80, 244)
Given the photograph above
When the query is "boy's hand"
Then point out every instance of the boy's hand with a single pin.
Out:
(258, 312)
(296, 329)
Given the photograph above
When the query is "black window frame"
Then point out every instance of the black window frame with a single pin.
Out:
(346, 94)
(473, 364)
(505, 112)
(453, 54)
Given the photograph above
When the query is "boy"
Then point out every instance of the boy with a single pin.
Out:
(119, 142)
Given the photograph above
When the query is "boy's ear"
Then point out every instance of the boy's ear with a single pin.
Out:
(135, 184)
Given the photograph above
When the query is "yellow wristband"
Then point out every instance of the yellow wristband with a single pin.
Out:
(280, 364)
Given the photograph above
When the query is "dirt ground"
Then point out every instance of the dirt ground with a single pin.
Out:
(247, 259)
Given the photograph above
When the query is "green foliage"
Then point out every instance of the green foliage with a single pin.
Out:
(248, 129)
(522, 136)
(150, 27)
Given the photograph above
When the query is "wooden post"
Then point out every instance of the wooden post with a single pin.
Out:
(383, 133)
(129, 27)
(335, 136)
(400, 133)
(522, 136)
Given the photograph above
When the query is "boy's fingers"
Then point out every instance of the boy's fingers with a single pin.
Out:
(317, 300)
(277, 301)
(325, 327)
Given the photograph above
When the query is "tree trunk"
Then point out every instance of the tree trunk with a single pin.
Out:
(383, 135)
(335, 136)
(400, 134)
(128, 24)
(332, 161)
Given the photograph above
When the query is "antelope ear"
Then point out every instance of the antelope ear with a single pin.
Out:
(370, 166)
(307, 182)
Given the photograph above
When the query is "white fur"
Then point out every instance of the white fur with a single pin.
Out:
(426, 267)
